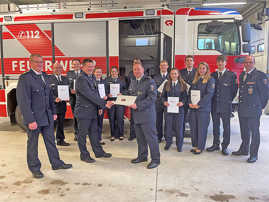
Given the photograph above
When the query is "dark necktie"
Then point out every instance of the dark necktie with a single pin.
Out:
(245, 77)
(220, 74)
(42, 78)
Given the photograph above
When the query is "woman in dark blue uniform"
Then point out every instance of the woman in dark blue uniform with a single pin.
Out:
(204, 84)
(99, 82)
(116, 112)
(175, 87)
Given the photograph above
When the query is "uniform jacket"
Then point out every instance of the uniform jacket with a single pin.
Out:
(35, 99)
(225, 91)
(146, 93)
(253, 93)
(130, 77)
(188, 78)
(88, 99)
(122, 83)
(53, 83)
(71, 75)
(159, 80)
(206, 94)
(175, 92)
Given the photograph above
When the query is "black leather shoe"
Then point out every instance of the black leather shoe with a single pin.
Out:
(138, 160)
(37, 174)
(88, 160)
(192, 150)
(167, 146)
(63, 143)
(179, 150)
(152, 165)
(197, 152)
(131, 138)
(64, 166)
(225, 152)
(239, 153)
(213, 148)
(104, 155)
(252, 159)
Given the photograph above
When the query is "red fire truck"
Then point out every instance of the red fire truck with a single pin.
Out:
(113, 38)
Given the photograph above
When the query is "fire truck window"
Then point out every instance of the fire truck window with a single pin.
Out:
(222, 37)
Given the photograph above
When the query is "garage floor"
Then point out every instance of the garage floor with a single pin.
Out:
(180, 177)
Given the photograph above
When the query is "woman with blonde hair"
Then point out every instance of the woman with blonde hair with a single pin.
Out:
(174, 88)
(200, 96)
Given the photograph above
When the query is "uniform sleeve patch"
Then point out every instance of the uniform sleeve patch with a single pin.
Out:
(265, 81)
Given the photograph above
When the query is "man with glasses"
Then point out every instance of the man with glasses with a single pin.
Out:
(253, 97)
(35, 99)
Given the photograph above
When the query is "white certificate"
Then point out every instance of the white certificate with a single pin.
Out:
(195, 96)
(101, 89)
(173, 108)
(63, 92)
(125, 100)
(188, 87)
(160, 89)
(114, 89)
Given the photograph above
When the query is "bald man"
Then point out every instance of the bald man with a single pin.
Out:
(253, 97)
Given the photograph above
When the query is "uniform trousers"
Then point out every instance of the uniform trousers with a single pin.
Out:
(60, 127)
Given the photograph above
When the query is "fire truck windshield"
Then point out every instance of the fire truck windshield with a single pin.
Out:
(221, 36)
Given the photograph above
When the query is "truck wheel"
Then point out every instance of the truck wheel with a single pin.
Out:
(19, 118)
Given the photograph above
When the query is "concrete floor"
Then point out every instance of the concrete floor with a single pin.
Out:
(181, 176)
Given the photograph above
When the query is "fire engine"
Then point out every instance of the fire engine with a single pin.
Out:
(113, 38)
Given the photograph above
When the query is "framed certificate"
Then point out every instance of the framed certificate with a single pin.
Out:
(195, 96)
(63, 92)
(101, 89)
(125, 100)
(173, 108)
(114, 89)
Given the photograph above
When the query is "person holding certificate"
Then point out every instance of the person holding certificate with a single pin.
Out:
(114, 87)
(57, 81)
(144, 115)
(100, 83)
(87, 104)
(200, 98)
(174, 96)
(160, 79)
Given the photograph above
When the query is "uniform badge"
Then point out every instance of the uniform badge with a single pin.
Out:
(152, 87)
(250, 91)
(265, 81)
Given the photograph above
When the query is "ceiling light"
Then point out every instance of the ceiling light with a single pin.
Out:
(224, 4)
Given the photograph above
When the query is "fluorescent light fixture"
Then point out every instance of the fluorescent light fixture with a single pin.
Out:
(225, 4)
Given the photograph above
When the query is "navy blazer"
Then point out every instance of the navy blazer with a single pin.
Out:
(188, 78)
(146, 93)
(225, 91)
(175, 92)
(253, 93)
(35, 99)
(88, 100)
(53, 83)
(206, 94)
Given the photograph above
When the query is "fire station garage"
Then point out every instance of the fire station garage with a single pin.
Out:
(134, 101)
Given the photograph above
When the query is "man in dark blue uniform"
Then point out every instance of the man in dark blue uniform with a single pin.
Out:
(253, 97)
(160, 79)
(36, 102)
(225, 91)
(72, 76)
(188, 76)
(87, 104)
(144, 116)
(55, 80)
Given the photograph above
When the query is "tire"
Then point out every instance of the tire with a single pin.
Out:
(19, 118)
